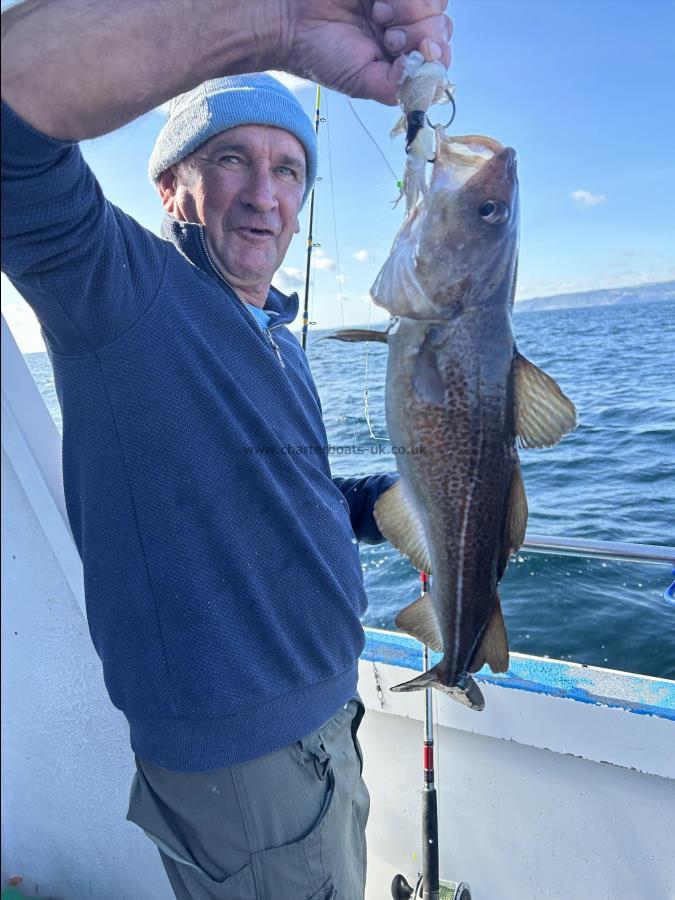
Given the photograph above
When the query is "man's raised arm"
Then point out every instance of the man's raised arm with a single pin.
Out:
(75, 69)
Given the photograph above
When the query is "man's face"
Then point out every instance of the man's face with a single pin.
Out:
(245, 186)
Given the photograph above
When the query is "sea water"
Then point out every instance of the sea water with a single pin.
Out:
(613, 479)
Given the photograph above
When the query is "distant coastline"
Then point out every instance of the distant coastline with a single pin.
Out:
(641, 293)
(652, 292)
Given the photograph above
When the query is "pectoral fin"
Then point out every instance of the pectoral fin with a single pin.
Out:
(398, 521)
(419, 620)
(427, 380)
(543, 413)
(494, 646)
(353, 335)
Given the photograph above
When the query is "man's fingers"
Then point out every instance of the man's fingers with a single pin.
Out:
(429, 50)
(387, 28)
(406, 12)
(421, 36)
(379, 81)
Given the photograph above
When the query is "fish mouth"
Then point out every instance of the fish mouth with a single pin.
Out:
(460, 163)
(458, 159)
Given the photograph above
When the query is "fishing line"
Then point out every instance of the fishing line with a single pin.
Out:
(312, 296)
(335, 232)
(310, 229)
(366, 349)
(374, 436)
(377, 146)
(337, 253)
(366, 407)
(313, 283)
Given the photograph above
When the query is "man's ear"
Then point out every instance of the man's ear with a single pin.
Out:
(167, 191)
(296, 230)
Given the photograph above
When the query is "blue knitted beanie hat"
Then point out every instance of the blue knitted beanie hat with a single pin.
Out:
(223, 103)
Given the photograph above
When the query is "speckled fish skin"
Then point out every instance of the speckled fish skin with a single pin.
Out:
(450, 395)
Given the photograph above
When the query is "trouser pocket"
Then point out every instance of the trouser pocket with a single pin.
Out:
(189, 882)
(327, 891)
(187, 859)
(255, 831)
(288, 826)
(297, 865)
(356, 722)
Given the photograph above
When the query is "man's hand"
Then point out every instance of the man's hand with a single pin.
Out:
(76, 69)
(355, 46)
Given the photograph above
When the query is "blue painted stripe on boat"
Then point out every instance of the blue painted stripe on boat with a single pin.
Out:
(600, 687)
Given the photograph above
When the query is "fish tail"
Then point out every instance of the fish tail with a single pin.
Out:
(464, 691)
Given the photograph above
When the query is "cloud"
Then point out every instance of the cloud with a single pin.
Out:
(322, 261)
(292, 82)
(289, 279)
(585, 198)
(361, 255)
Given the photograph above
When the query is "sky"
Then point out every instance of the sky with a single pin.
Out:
(582, 89)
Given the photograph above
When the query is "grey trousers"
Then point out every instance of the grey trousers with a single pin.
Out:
(287, 826)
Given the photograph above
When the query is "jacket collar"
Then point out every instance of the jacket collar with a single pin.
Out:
(186, 238)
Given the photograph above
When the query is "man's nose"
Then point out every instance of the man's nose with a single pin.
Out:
(258, 191)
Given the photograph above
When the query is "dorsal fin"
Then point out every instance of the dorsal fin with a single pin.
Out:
(354, 335)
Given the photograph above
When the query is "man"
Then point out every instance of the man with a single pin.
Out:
(222, 578)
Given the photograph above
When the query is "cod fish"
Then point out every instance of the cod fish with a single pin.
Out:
(460, 398)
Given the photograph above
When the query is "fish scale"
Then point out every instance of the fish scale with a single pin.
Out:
(460, 480)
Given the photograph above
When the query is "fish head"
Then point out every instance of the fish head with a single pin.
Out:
(458, 248)
(468, 241)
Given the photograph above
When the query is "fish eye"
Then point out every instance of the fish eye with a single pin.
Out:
(495, 212)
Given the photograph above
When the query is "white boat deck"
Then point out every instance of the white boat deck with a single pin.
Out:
(563, 787)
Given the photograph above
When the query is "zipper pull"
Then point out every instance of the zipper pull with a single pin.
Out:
(275, 346)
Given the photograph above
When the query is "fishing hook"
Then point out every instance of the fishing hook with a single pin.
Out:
(448, 94)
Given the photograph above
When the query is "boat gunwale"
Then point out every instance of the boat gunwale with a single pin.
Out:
(640, 694)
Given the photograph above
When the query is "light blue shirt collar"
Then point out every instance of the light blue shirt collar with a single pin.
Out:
(262, 317)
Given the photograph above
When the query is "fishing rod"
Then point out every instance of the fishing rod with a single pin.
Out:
(310, 235)
(429, 879)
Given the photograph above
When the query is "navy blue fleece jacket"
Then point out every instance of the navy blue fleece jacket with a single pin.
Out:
(223, 581)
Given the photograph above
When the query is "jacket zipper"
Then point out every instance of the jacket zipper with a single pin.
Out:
(273, 344)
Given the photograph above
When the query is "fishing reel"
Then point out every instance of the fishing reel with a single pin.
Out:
(448, 890)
